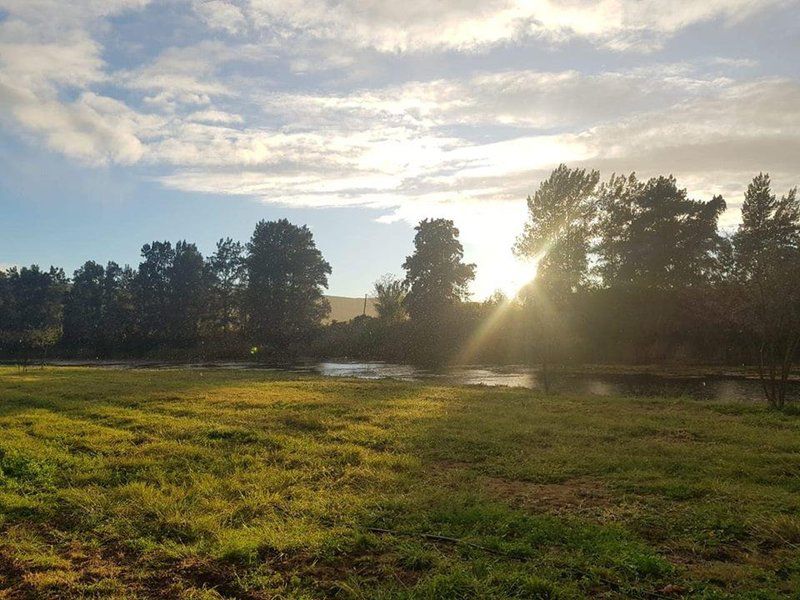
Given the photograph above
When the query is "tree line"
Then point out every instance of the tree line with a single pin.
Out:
(264, 298)
(629, 270)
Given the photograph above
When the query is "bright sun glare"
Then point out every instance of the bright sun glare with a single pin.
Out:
(515, 274)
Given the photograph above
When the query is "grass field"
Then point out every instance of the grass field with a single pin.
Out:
(215, 484)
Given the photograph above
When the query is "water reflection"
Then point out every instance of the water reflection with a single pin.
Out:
(595, 384)
(709, 387)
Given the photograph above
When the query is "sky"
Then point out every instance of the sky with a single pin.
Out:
(127, 121)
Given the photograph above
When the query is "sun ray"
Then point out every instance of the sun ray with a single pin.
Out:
(519, 273)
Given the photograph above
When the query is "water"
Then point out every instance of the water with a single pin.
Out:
(701, 387)
(593, 383)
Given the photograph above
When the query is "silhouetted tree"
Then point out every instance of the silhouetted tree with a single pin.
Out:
(558, 229)
(655, 250)
(83, 309)
(152, 293)
(188, 283)
(390, 294)
(652, 234)
(34, 298)
(228, 276)
(558, 235)
(437, 279)
(285, 278)
(118, 319)
(770, 228)
(767, 251)
(7, 306)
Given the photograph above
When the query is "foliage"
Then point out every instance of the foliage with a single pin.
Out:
(629, 270)
(558, 235)
(285, 277)
(436, 275)
(32, 309)
(228, 273)
(437, 279)
(390, 294)
(767, 253)
(651, 234)
(175, 301)
(558, 229)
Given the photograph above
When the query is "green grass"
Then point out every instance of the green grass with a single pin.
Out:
(234, 484)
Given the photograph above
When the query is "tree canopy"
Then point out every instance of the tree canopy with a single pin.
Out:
(285, 278)
(436, 275)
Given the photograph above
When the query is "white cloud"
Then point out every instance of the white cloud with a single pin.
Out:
(179, 76)
(713, 133)
(214, 116)
(47, 53)
(94, 129)
(265, 105)
(219, 14)
(521, 98)
(473, 24)
(74, 61)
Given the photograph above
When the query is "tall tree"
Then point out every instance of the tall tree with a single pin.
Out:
(770, 228)
(653, 234)
(118, 320)
(656, 251)
(228, 275)
(83, 309)
(767, 252)
(286, 274)
(558, 235)
(7, 307)
(151, 291)
(188, 294)
(437, 279)
(558, 230)
(35, 307)
(436, 275)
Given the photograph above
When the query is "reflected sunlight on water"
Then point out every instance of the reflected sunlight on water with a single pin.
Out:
(708, 387)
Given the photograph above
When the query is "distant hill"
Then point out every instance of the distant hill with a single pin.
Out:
(345, 309)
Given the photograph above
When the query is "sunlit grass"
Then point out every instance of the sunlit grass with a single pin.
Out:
(209, 484)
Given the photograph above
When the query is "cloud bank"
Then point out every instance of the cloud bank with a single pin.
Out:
(318, 103)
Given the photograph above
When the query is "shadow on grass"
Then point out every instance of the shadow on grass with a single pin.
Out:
(261, 485)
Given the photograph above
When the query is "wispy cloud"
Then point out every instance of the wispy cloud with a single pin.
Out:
(474, 24)
(315, 103)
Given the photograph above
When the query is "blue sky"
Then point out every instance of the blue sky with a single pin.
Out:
(125, 121)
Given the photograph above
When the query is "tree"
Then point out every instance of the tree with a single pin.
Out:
(228, 274)
(188, 294)
(286, 274)
(558, 229)
(437, 279)
(767, 253)
(7, 306)
(83, 309)
(657, 251)
(170, 293)
(152, 293)
(770, 228)
(436, 276)
(34, 300)
(652, 234)
(390, 294)
(118, 319)
(558, 235)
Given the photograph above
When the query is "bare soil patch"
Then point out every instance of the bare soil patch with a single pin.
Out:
(571, 496)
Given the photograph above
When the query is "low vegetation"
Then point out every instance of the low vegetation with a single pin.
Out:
(234, 484)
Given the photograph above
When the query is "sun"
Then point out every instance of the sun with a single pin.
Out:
(513, 274)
